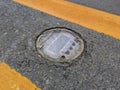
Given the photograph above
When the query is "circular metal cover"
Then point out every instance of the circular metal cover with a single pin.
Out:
(59, 45)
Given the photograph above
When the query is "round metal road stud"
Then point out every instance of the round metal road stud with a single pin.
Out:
(59, 45)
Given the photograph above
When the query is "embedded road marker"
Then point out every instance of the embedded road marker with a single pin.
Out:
(60, 45)
(11, 80)
(96, 20)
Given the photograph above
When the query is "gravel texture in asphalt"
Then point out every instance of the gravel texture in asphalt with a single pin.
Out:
(98, 68)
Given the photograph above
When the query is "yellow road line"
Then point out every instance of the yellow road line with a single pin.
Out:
(11, 80)
(96, 20)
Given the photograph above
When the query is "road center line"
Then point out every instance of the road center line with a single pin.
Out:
(11, 80)
(96, 20)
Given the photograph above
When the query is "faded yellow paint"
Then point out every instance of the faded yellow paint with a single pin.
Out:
(96, 20)
(11, 80)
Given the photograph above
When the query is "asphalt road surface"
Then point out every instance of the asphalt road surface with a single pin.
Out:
(98, 68)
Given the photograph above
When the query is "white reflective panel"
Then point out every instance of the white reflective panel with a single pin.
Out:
(59, 45)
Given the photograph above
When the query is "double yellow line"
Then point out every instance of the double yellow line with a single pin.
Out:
(96, 20)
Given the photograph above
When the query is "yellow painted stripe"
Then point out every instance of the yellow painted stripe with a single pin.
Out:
(11, 80)
(96, 20)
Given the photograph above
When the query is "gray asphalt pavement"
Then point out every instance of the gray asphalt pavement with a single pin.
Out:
(98, 68)
(111, 6)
